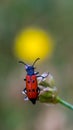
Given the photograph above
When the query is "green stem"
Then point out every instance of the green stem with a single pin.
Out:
(64, 103)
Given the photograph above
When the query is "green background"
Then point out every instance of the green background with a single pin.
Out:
(55, 16)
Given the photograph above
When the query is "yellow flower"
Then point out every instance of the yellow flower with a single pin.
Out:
(32, 43)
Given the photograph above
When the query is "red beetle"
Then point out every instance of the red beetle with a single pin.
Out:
(31, 89)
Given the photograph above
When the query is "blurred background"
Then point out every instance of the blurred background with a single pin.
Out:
(54, 17)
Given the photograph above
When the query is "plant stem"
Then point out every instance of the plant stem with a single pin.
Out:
(66, 104)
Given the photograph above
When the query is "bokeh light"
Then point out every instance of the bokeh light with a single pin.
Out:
(31, 43)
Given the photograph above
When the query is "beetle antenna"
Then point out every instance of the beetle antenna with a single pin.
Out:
(22, 63)
(35, 61)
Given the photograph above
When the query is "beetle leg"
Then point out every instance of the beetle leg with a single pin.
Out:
(24, 91)
(38, 90)
(36, 73)
(26, 98)
(24, 79)
(40, 77)
(43, 76)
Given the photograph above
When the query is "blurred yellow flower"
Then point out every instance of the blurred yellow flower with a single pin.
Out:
(32, 43)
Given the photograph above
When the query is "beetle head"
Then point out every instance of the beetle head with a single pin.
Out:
(29, 68)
